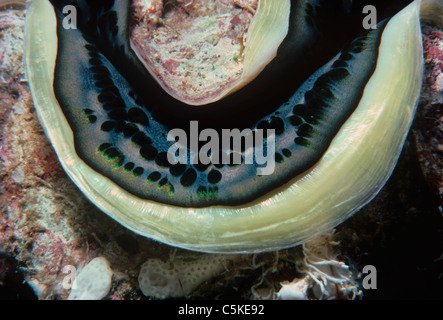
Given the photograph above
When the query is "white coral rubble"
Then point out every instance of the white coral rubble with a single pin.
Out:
(93, 282)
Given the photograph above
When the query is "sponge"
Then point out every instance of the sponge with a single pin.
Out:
(158, 279)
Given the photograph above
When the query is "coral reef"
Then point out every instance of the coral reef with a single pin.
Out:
(46, 224)
(429, 120)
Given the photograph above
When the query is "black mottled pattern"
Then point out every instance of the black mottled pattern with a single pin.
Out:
(120, 132)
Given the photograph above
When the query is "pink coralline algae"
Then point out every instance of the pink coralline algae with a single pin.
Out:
(428, 126)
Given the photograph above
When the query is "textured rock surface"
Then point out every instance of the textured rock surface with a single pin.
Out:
(188, 40)
(429, 120)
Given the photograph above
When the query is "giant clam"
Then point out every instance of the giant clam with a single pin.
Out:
(335, 133)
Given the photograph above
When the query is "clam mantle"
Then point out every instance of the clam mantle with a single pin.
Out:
(353, 135)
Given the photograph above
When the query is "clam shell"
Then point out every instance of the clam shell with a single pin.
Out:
(356, 165)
